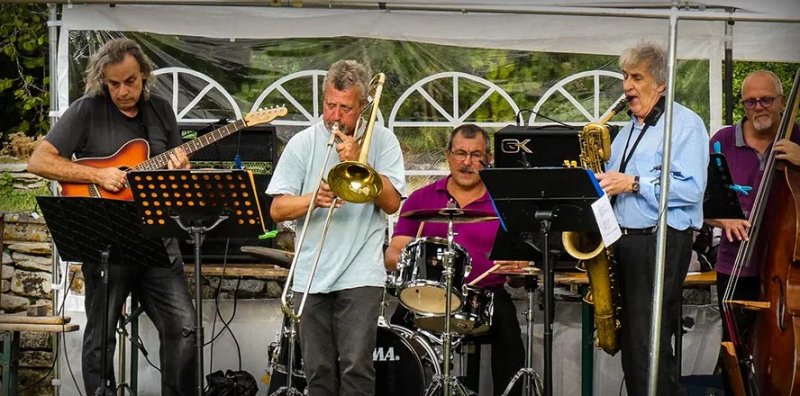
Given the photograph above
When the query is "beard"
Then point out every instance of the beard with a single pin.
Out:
(762, 124)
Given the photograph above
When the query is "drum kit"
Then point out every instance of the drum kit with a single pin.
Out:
(430, 282)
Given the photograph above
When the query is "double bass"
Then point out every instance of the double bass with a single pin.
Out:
(772, 366)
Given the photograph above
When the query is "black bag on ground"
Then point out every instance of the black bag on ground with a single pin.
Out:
(231, 383)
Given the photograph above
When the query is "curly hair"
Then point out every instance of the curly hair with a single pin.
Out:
(113, 52)
(651, 54)
(348, 73)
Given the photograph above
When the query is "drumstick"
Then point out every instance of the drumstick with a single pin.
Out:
(485, 274)
(419, 230)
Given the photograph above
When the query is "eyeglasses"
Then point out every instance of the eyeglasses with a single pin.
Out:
(751, 103)
(460, 155)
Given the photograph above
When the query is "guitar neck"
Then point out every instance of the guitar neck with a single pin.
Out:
(160, 161)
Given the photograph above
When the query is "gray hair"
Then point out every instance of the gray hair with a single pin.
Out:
(111, 53)
(345, 74)
(469, 131)
(773, 76)
(651, 54)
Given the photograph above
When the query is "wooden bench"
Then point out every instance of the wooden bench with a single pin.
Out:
(12, 326)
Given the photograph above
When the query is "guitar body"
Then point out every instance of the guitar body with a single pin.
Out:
(135, 155)
(126, 158)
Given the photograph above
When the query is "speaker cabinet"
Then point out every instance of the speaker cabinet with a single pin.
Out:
(531, 147)
(253, 149)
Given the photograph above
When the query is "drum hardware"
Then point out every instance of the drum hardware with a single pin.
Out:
(446, 381)
(533, 382)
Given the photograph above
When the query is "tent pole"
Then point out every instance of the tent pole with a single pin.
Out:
(727, 82)
(658, 289)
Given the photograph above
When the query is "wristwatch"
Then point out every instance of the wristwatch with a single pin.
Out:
(635, 185)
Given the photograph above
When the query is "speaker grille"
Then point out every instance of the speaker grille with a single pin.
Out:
(255, 148)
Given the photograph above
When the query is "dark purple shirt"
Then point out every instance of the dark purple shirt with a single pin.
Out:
(476, 238)
(747, 167)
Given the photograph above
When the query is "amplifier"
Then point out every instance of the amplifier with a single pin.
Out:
(253, 149)
(542, 146)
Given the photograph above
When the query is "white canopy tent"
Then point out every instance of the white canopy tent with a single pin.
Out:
(762, 31)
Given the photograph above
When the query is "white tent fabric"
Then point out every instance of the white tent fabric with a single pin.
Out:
(764, 31)
(533, 27)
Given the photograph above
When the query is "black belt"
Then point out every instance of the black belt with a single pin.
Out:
(639, 231)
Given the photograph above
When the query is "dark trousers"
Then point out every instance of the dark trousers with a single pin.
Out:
(747, 288)
(505, 337)
(164, 294)
(338, 332)
(636, 266)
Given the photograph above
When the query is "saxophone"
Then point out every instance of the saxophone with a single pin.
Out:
(588, 247)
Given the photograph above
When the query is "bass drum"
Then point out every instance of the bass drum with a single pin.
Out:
(405, 362)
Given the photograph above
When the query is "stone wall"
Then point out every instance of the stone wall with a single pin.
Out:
(27, 265)
(26, 281)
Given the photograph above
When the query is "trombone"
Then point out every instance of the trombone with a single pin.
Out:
(350, 181)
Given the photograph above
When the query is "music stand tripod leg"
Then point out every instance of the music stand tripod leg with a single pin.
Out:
(531, 379)
(106, 388)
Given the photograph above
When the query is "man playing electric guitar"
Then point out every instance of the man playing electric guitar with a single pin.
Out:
(117, 107)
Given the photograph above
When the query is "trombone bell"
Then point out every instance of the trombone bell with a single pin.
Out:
(355, 182)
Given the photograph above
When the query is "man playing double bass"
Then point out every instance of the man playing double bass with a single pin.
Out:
(747, 146)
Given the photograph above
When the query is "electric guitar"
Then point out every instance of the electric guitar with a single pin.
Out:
(134, 155)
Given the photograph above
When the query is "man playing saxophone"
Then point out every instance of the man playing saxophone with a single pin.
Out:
(632, 177)
(339, 324)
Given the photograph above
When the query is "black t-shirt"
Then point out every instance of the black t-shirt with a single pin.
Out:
(93, 126)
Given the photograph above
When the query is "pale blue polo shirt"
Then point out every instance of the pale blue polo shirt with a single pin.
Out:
(352, 255)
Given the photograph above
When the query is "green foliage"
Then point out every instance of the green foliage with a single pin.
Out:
(14, 200)
(24, 80)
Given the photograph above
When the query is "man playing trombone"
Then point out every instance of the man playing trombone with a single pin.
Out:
(338, 325)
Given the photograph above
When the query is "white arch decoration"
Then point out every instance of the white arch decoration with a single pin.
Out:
(596, 111)
(308, 117)
(174, 72)
(456, 117)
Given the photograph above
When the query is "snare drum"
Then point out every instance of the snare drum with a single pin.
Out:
(474, 317)
(421, 276)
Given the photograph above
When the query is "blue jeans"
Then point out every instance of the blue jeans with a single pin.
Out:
(164, 294)
(337, 337)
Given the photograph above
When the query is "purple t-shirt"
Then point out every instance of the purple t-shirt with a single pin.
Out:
(747, 167)
(476, 238)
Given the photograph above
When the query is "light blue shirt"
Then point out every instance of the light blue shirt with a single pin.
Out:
(688, 171)
(352, 254)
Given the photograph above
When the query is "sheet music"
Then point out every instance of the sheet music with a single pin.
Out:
(606, 220)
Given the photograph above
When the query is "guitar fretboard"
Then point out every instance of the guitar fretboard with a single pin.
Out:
(160, 161)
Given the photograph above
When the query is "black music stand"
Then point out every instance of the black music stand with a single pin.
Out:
(172, 203)
(554, 199)
(720, 200)
(97, 230)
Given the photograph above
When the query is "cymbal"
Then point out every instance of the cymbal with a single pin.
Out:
(527, 271)
(282, 258)
(445, 215)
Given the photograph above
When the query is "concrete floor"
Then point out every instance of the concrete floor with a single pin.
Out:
(257, 323)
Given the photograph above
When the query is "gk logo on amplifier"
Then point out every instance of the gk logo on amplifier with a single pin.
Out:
(512, 146)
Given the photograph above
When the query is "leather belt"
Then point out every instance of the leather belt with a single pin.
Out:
(639, 231)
